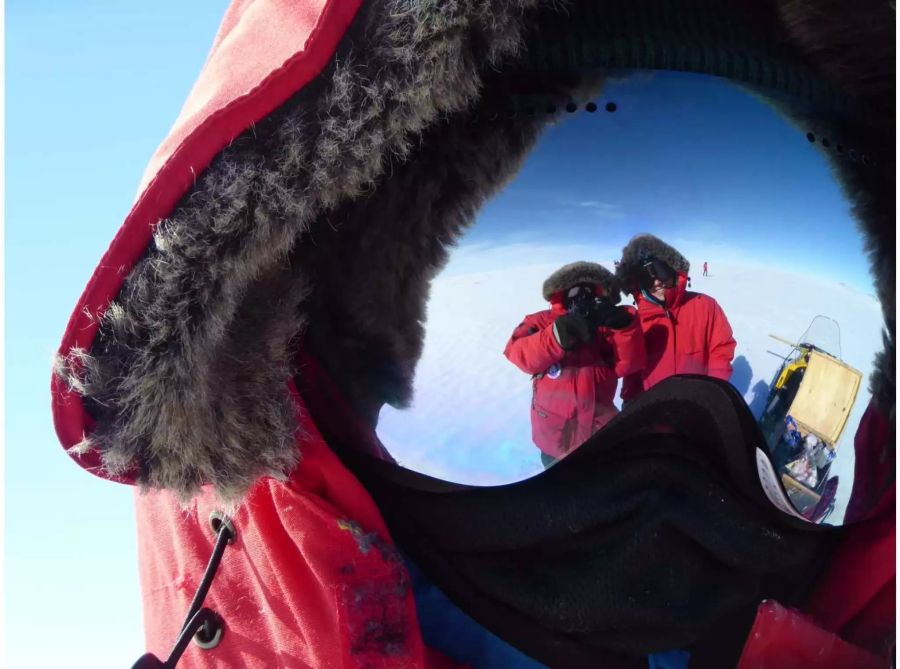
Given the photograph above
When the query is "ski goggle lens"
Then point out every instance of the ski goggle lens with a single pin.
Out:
(746, 192)
(579, 296)
(656, 270)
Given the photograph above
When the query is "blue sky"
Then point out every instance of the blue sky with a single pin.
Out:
(93, 87)
(685, 157)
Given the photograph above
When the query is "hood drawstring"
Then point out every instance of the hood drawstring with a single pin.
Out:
(204, 625)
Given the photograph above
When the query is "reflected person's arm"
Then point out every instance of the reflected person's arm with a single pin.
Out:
(629, 354)
(632, 386)
(721, 344)
(532, 347)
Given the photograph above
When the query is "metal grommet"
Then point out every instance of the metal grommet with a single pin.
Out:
(826, 143)
(611, 106)
(551, 109)
(811, 137)
(216, 521)
(591, 107)
(571, 107)
(210, 635)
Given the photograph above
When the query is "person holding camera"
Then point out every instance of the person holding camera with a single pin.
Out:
(684, 332)
(576, 351)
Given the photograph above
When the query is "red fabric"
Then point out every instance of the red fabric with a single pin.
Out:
(312, 581)
(856, 597)
(264, 52)
(567, 408)
(786, 639)
(850, 620)
(873, 470)
(691, 336)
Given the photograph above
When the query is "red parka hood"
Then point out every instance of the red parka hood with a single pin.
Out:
(581, 272)
(250, 237)
(300, 109)
(637, 251)
(239, 84)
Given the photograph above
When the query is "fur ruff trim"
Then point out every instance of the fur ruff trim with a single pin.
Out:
(582, 272)
(187, 378)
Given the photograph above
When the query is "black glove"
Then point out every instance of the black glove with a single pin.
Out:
(572, 330)
(605, 315)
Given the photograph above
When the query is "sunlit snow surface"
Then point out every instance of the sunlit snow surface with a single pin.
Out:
(469, 421)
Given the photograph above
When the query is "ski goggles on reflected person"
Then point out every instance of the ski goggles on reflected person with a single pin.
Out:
(648, 177)
(656, 270)
(580, 297)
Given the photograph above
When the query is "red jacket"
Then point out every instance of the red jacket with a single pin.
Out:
(312, 567)
(574, 390)
(690, 336)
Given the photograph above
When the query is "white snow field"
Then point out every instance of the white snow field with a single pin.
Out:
(470, 422)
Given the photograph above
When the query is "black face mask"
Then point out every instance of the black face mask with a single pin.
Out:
(664, 502)
(656, 269)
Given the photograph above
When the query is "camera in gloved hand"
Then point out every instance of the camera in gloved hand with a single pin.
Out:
(597, 311)
(586, 312)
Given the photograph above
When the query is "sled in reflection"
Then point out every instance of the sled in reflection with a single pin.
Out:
(809, 403)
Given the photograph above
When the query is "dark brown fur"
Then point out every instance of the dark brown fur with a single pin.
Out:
(336, 211)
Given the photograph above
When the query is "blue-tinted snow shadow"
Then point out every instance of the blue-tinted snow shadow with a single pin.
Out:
(741, 378)
(741, 375)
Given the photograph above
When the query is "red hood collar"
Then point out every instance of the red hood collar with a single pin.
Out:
(251, 70)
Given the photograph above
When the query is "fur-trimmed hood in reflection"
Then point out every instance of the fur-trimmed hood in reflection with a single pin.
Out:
(319, 219)
(581, 272)
(638, 250)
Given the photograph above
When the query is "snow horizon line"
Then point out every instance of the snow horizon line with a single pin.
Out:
(492, 252)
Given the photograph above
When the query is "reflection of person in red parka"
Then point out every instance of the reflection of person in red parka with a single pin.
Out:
(684, 332)
(576, 351)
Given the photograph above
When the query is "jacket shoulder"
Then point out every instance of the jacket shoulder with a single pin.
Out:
(538, 318)
(700, 301)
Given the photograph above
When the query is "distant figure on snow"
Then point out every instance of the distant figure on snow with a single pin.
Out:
(705, 268)
(684, 332)
(576, 351)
